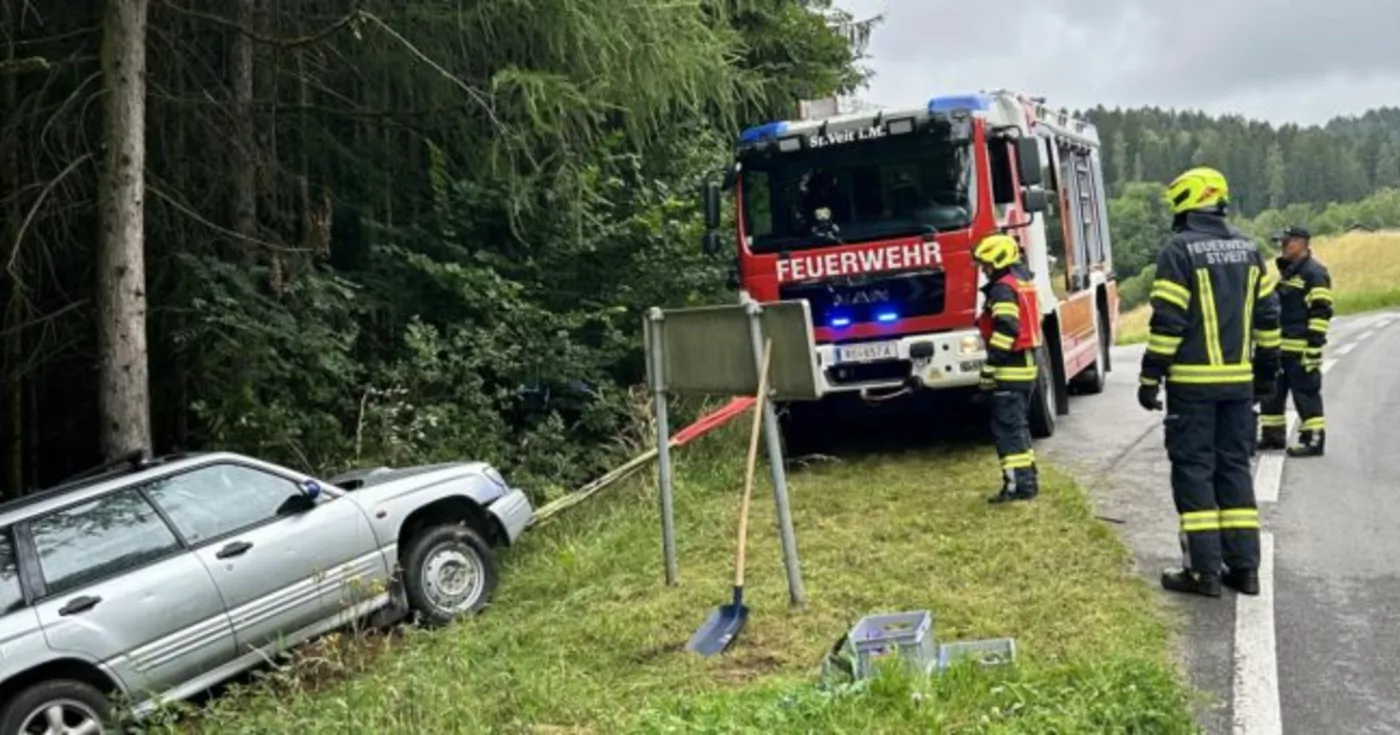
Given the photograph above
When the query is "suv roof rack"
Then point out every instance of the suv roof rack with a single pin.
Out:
(134, 461)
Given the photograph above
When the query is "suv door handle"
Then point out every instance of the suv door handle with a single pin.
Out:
(79, 604)
(234, 549)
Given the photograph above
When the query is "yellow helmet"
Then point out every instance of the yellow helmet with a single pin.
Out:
(1199, 188)
(998, 251)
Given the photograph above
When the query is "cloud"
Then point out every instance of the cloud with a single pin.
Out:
(1303, 61)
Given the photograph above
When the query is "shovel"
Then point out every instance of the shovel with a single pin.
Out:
(725, 621)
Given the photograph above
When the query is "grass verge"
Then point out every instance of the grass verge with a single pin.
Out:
(585, 637)
(1364, 267)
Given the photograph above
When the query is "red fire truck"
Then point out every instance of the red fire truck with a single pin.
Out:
(872, 216)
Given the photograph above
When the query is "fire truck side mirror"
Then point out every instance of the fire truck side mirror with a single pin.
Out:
(1035, 200)
(711, 205)
(1028, 160)
(710, 244)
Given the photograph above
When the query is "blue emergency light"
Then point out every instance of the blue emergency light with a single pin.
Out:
(840, 321)
(887, 316)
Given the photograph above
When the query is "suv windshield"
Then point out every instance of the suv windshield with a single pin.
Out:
(888, 187)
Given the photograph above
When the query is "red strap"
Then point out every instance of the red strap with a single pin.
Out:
(710, 422)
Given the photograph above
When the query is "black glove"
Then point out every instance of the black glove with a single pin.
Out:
(987, 379)
(1147, 397)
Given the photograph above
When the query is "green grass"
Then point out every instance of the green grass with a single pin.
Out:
(585, 637)
(1364, 266)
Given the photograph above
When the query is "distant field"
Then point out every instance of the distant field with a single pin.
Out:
(1365, 269)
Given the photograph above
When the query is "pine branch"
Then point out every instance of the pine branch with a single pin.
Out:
(306, 40)
(27, 65)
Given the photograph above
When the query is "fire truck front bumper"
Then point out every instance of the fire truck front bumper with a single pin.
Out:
(931, 361)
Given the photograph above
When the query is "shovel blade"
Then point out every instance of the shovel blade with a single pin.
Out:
(719, 631)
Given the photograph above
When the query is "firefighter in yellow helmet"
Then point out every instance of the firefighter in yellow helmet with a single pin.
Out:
(1010, 326)
(1214, 341)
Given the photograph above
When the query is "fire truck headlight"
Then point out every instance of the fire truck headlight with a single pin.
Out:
(971, 345)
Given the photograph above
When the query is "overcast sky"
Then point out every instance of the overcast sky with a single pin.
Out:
(1279, 60)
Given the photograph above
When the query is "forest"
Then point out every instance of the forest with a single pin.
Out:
(353, 232)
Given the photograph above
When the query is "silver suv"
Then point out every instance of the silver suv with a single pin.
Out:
(153, 580)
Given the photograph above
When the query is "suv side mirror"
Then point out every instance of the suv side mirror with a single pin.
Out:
(711, 205)
(1028, 160)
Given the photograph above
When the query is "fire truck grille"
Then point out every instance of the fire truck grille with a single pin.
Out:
(846, 301)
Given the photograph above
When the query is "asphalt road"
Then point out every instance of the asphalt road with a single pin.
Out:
(1319, 652)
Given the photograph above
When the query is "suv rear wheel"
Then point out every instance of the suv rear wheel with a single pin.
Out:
(449, 573)
(59, 706)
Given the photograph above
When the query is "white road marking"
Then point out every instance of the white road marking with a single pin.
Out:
(1344, 349)
(1257, 710)
(1366, 335)
(1327, 364)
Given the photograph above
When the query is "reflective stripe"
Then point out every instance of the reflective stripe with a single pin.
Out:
(1022, 461)
(1295, 282)
(1206, 293)
(1171, 292)
(1293, 345)
(1163, 344)
(1272, 420)
(1200, 520)
(1211, 374)
(1239, 519)
(1267, 286)
(1000, 341)
(1268, 337)
(1251, 282)
(1317, 325)
(1320, 293)
(1315, 424)
(1006, 310)
(1144, 380)
(1015, 374)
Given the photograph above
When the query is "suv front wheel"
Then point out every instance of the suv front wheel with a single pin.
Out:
(59, 706)
(449, 573)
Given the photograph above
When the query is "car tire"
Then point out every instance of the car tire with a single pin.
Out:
(77, 701)
(431, 565)
(1042, 408)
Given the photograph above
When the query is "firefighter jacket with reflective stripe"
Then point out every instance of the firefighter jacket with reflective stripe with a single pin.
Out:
(1010, 327)
(1215, 312)
(1305, 306)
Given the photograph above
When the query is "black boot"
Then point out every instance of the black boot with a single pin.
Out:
(1186, 581)
(1011, 490)
(1273, 437)
(1243, 581)
(1310, 444)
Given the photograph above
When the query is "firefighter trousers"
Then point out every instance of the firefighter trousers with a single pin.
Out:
(1306, 387)
(1209, 443)
(1011, 430)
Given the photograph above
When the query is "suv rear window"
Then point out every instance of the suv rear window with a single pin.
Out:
(99, 539)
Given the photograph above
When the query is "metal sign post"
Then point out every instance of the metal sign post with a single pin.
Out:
(718, 350)
(797, 593)
(663, 442)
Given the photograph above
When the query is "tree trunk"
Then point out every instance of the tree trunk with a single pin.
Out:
(244, 164)
(123, 382)
(9, 229)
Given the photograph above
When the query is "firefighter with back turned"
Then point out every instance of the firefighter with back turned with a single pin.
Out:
(1214, 344)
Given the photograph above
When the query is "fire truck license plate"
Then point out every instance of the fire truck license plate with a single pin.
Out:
(869, 352)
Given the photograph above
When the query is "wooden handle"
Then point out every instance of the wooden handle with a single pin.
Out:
(758, 405)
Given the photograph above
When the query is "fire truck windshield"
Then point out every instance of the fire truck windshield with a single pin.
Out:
(868, 190)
